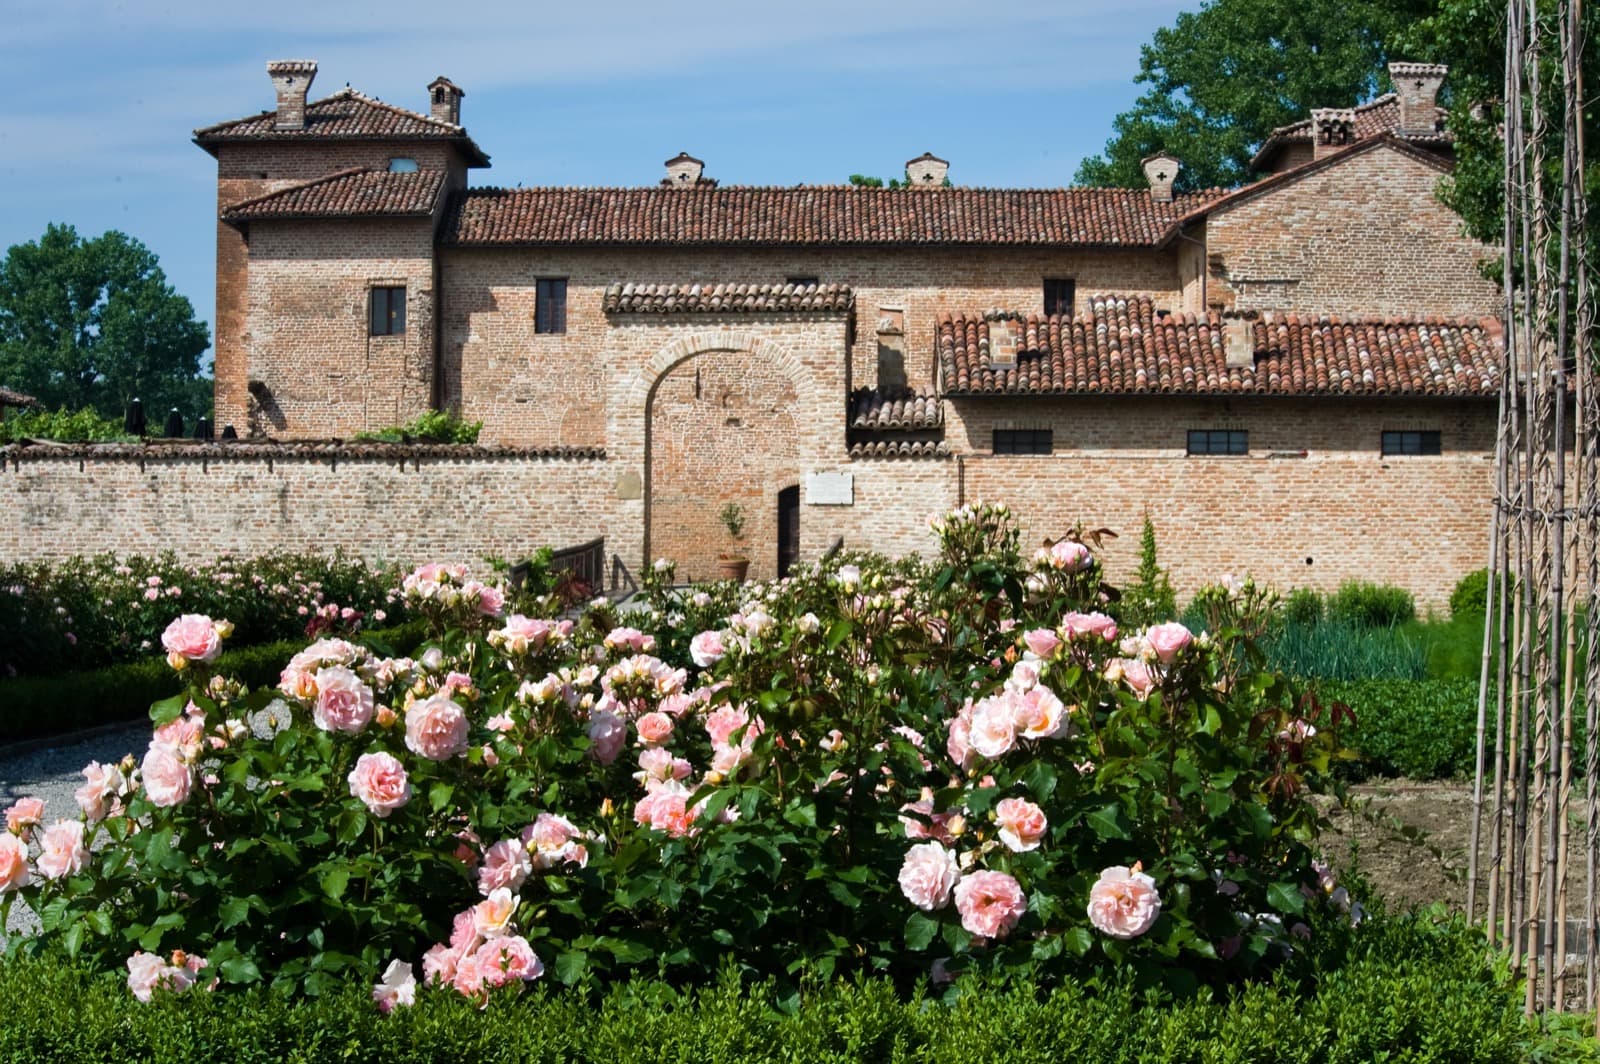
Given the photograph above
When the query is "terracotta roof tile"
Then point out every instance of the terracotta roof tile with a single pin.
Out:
(11, 398)
(327, 450)
(347, 194)
(894, 411)
(900, 449)
(726, 298)
(1124, 348)
(1375, 119)
(828, 215)
(346, 115)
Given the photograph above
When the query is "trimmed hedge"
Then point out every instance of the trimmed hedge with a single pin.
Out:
(1409, 988)
(1424, 729)
(32, 707)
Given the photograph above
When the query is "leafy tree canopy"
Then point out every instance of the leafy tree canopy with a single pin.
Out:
(94, 323)
(1222, 78)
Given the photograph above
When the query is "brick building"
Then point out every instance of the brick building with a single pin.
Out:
(1295, 378)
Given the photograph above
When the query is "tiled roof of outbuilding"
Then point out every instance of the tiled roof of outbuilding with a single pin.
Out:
(1124, 348)
(819, 215)
(357, 193)
(894, 411)
(1373, 119)
(900, 449)
(11, 398)
(726, 298)
(346, 115)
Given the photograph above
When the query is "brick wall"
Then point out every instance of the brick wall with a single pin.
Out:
(459, 508)
(1365, 237)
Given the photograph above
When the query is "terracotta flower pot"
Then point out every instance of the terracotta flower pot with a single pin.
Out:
(732, 568)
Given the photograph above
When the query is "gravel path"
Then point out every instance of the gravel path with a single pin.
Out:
(54, 771)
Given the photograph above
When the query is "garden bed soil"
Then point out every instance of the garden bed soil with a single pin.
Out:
(1409, 840)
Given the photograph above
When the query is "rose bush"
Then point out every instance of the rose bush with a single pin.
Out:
(899, 769)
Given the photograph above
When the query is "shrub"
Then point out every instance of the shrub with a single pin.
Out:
(1149, 599)
(1470, 596)
(1405, 988)
(65, 426)
(1371, 605)
(851, 775)
(433, 426)
(1303, 607)
(1424, 729)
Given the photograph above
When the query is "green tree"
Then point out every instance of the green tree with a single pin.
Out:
(1222, 78)
(94, 323)
(1149, 599)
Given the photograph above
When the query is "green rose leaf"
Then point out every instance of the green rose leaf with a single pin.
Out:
(920, 931)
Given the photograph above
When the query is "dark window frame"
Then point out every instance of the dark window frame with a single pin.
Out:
(804, 281)
(1409, 443)
(386, 310)
(1218, 443)
(550, 306)
(1023, 441)
(1060, 295)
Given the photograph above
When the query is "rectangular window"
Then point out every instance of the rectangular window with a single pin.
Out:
(1409, 442)
(388, 311)
(1219, 441)
(1024, 441)
(550, 308)
(1058, 297)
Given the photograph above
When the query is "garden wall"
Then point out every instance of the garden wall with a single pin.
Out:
(401, 503)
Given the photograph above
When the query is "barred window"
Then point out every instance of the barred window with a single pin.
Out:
(1407, 441)
(1219, 441)
(1024, 441)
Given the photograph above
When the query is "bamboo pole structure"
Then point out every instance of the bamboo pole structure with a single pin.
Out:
(1542, 609)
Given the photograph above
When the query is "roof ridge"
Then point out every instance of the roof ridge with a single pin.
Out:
(1306, 121)
(864, 190)
(394, 108)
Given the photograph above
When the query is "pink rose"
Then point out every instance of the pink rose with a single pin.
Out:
(990, 903)
(193, 637)
(723, 722)
(1041, 642)
(994, 729)
(439, 965)
(14, 873)
(607, 734)
(1022, 824)
(1039, 714)
(505, 864)
(1123, 903)
(436, 728)
(654, 728)
(183, 734)
(145, 972)
(666, 809)
(706, 649)
(491, 600)
(551, 840)
(167, 779)
(1167, 640)
(103, 785)
(1069, 556)
(927, 876)
(380, 781)
(1136, 674)
(397, 987)
(958, 743)
(506, 959)
(1093, 625)
(61, 850)
(23, 814)
(344, 702)
(492, 916)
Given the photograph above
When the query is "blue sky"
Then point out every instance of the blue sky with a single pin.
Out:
(105, 96)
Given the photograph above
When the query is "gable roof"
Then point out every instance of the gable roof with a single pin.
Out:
(1376, 118)
(355, 193)
(1226, 200)
(346, 115)
(812, 215)
(17, 399)
(1123, 347)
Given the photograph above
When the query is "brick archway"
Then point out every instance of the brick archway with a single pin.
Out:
(719, 427)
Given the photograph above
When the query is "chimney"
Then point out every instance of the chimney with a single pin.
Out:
(292, 79)
(1161, 170)
(684, 171)
(927, 171)
(444, 101)
(1238, 343)
(1417, 85)
(1332, 128)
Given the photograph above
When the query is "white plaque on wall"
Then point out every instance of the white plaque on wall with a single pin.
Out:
(830, 489)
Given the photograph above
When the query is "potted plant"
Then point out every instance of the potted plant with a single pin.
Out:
(732, 564)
